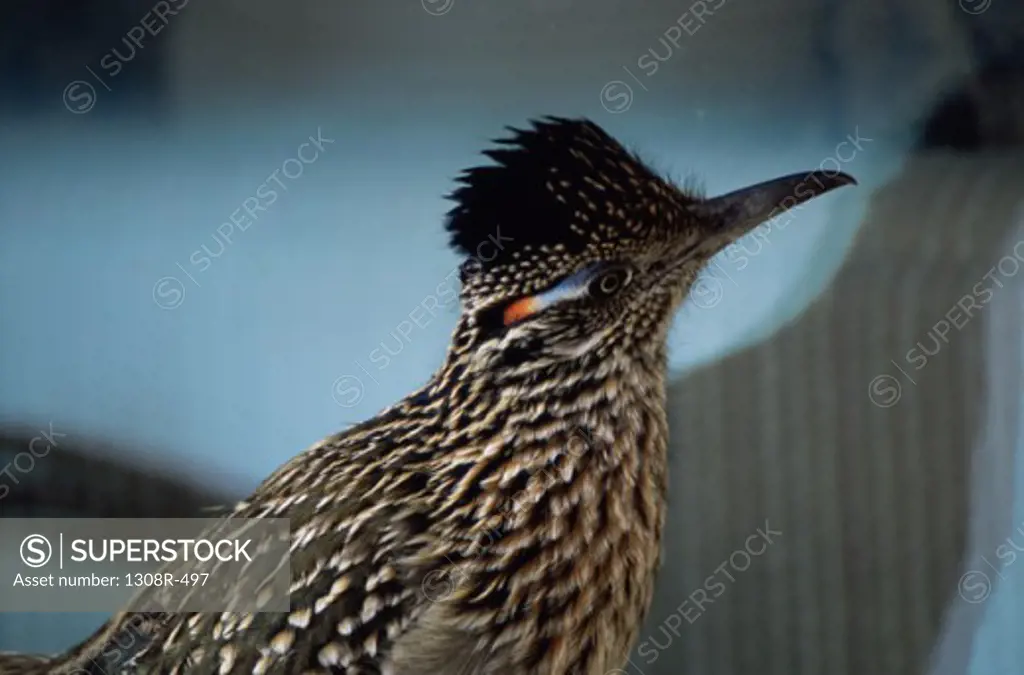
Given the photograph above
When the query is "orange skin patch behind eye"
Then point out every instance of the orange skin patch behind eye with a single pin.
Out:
(520, 309)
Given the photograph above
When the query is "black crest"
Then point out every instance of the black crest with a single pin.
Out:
(562, 182)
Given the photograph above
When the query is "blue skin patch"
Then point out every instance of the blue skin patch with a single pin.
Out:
(569, 287)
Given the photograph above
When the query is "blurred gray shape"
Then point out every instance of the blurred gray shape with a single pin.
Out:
(91, 479)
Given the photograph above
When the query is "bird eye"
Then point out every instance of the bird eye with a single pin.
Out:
(610, 282)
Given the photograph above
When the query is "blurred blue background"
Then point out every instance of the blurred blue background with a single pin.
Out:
(135, 311)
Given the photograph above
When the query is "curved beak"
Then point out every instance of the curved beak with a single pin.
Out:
(739, 212)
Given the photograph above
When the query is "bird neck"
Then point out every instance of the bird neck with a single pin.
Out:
(506, 440)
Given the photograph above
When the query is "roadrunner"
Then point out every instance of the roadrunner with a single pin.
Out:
(507, 516)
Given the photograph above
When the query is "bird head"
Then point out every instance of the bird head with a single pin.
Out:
(575, 248)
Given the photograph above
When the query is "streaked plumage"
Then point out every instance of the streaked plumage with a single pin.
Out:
(507, 516)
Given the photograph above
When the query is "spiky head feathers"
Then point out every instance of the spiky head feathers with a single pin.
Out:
(558, 194)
